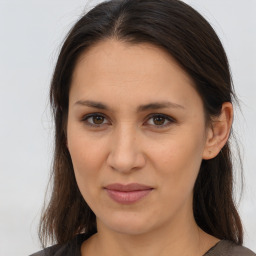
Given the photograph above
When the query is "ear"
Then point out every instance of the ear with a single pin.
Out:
(66, 140)
(67, 143)
(218, 132)
(66, 136)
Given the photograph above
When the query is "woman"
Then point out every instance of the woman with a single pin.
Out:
(142, 99)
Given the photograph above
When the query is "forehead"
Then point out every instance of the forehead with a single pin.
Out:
(126, 72)
(114, 57)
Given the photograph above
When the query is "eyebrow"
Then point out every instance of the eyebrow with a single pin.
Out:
(141, 108)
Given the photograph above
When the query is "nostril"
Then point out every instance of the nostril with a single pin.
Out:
(126, 162)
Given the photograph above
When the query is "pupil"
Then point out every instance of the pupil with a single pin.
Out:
(159, 120)
(98, 119)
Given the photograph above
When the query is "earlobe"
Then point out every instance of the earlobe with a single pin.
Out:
(67, 143)
(218, 133)
(66, 138)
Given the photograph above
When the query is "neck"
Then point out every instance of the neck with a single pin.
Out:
(182, 237)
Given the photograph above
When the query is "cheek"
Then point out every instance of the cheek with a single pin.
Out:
(178, 162)
(86, 161)
(85, 157)
(83, 148)
(86, 166)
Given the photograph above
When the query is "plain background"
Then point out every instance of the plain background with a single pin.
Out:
(31, 33)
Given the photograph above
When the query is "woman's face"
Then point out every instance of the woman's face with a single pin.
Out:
(135, 119)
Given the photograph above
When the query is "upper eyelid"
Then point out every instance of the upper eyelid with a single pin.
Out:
(163, 115)
(93, 114)
(148, 116)
(167, 117)
(87, 116)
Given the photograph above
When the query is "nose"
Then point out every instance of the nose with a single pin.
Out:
(125, 151)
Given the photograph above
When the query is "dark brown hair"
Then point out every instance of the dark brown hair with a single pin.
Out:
(183, 33)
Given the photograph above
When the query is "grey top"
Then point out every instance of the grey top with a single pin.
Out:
(228, 248)
(72, 248)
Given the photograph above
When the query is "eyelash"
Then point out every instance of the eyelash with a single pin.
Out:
(168, 118)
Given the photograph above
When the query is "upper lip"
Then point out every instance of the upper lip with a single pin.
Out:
(127, 187)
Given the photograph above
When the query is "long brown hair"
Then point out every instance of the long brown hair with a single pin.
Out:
(186, 36)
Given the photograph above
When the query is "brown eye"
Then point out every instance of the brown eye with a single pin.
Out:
(98, 119)
(159, 120)
(94, 120)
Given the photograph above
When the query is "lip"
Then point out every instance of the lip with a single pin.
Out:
(127, 194)
(128, 187)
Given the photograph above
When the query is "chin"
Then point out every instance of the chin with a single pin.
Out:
(127, 224)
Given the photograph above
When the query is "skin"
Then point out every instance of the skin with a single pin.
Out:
(127, 146)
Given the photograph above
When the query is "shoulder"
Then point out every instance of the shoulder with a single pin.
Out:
(228, 248)
(50, 251)
(237, 250)
(71, 248)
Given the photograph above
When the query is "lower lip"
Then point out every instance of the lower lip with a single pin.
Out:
(127, 197)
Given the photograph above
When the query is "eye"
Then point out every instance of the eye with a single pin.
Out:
(94, 120)
(160, 120)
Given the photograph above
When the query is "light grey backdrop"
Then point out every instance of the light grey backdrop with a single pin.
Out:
(30, 35)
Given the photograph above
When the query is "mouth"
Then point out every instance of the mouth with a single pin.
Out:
(127, 194)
